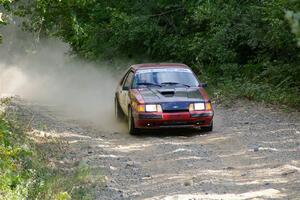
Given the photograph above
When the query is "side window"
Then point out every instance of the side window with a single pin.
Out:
(128, 81)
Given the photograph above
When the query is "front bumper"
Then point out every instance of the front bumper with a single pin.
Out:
(194, 119)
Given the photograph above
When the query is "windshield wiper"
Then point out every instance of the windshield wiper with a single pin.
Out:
(149, 84)
(175, 83)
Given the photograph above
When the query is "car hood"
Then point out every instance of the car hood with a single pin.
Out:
(177, 94)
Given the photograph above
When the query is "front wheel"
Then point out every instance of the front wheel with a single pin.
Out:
(208, 128)
(119, 115)
(131, 128)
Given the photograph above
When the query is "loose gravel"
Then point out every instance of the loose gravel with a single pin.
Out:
(253, 153)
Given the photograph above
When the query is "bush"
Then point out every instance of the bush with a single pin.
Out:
(226, 40)
(14, 176)
(25, 173)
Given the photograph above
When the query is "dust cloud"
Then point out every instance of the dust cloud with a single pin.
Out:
(43, 72)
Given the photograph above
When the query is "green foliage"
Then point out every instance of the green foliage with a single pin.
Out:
(226, 40)
(4, 4)
(63, 196)
(25, 174)
(294, 20)
(193, 31)
(13, 176)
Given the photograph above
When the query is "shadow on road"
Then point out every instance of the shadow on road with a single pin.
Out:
(171, 132)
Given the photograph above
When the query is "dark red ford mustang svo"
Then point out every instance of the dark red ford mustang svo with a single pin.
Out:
(164, 95)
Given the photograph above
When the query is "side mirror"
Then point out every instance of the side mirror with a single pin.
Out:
(204, 85)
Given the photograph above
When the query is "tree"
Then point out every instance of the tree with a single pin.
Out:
(4, 4)
(230, 41)
(294, 20)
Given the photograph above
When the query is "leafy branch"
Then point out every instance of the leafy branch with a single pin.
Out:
(294, 20)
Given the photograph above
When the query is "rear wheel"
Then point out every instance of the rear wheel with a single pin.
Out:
(119, 115)
(131, 128)
(208, 128)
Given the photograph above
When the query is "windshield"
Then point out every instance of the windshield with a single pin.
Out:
(162, 77)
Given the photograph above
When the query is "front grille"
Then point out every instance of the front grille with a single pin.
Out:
(171, 107)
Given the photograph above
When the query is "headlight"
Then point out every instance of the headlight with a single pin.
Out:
(197, 106)
(153, 108)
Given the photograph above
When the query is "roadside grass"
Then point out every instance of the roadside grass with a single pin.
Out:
(230, 91)
(26, 171)
(227, 88)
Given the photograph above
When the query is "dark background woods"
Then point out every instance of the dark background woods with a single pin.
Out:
(241, 48)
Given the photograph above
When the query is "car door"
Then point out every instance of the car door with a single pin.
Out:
(124, 93)
(120, 87)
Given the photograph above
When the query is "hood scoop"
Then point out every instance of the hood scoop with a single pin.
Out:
(167, 92)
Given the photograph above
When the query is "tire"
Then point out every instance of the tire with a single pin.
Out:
(208, 128)
(119, 115)
(131, 129)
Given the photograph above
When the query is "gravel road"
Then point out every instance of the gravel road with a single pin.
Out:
(253, 153)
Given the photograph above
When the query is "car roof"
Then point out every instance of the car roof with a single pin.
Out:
(158, 65)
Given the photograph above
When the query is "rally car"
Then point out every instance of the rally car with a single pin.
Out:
(163, 95)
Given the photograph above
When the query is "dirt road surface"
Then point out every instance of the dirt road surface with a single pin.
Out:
(253, 153)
